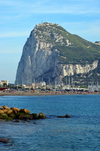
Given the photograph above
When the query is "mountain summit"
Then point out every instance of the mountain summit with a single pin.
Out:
(51, 54)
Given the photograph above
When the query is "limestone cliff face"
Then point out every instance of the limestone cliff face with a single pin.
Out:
(71, 69)
(40, 58)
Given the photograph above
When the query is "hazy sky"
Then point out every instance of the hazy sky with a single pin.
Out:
(19, 17)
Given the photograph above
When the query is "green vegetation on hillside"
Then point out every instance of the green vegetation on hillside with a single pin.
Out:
(75, 55)
(78, 51)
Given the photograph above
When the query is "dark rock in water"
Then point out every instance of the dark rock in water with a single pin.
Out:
(6, 107)
(66, 116)
(14, 113)
(61, 116)
(15, 109)
(26, 117)
(34, 122)
(35, 116)
(1, 108)
(16, 121)
(4, 140)
(42, 116)
(25, 111)
(3, 116)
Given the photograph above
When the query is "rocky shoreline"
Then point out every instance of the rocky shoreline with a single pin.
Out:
(16, 114)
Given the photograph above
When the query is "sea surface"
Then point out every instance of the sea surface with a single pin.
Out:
(81, 132)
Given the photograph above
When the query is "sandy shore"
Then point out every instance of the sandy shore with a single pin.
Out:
(21, 93)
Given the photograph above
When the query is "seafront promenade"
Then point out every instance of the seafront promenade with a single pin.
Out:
(40, 93)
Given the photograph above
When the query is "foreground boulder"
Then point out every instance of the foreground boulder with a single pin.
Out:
(25, 117)
(35, 116)
(25, 111)
(15, 109)
(14, 113)
(6, 107)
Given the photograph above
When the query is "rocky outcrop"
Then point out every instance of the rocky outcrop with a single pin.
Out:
(40, 60)
(42, 115)
(14, 113)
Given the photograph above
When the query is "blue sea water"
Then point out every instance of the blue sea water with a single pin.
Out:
(81, 132)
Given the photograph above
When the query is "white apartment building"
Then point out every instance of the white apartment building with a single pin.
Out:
(4, 82)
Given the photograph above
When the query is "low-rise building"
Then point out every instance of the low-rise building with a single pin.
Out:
(2, 82)
(94, 88)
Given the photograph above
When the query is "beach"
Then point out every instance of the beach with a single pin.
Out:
(41, 93)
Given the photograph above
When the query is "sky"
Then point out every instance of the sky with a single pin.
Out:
(19, 17)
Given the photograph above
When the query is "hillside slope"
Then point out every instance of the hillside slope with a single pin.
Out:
(51, 53)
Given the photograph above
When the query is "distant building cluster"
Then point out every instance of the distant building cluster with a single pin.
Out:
(61, 86)
(35, 85)
(3, 82)
(94, 87)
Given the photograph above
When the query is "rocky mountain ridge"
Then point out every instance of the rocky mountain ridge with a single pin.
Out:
(51, 53)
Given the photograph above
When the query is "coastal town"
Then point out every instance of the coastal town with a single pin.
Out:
(43, 89)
